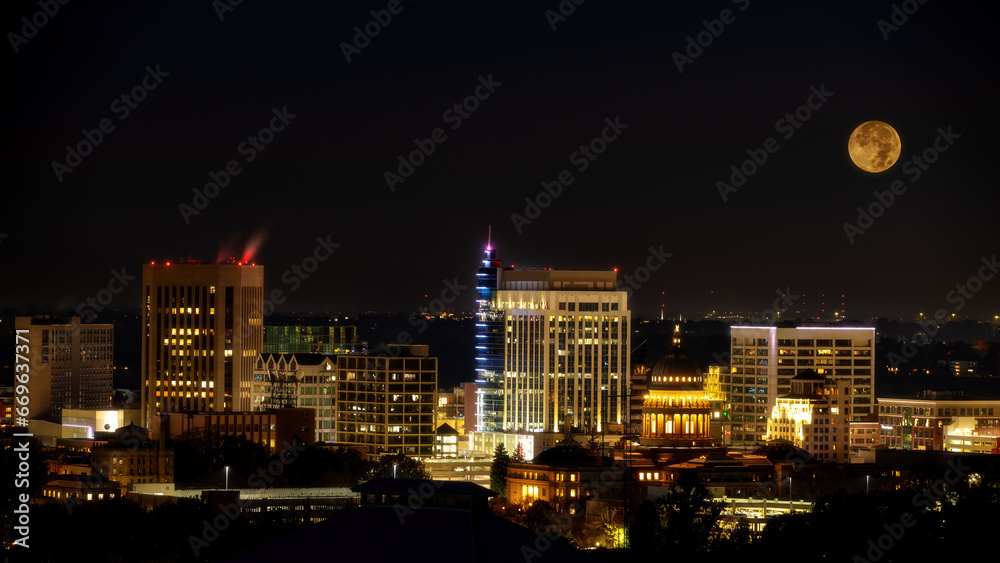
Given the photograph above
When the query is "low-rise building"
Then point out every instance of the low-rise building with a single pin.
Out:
(387, 403)
(566, 476)
(272, 429)
(131, 458)
(446, 442)
(81, 488)
(812, 417)
(298, 380)
(940, 421)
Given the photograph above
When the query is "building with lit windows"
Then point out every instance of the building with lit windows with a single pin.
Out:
(446, 442)
(70, 490)
(71, 364)
(275, 429)
(298, 380)
(677, 410)
(202, 332)
(765, 359)
(313, 340)
(637, 392)
(387, 403)
(566, 476)
(724, 474)
(7, 408)
(812, 417)
(566, 351)
(130, 457)
(489, 346)
(940, 421)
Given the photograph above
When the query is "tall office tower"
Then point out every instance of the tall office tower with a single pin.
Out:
(489, 346)
(566, 350)
(202, 331)
(388, 403)
(765, 359)
(71, 364)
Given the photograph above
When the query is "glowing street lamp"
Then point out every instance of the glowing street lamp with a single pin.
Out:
(227, 477)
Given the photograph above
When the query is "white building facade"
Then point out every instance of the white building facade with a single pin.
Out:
(765, 359)
(566, 350)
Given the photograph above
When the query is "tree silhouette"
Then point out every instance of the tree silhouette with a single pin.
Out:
(498, 471)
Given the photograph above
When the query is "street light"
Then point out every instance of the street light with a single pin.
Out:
(867, 477)
(789, 494)
(227, 477)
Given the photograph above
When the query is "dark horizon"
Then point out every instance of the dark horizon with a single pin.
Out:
(668, 122)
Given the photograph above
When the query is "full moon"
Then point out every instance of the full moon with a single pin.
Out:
(874, 146)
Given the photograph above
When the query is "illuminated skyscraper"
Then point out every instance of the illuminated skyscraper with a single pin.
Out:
(202, 331)
(566, 350)
(489, 345)
(72, 364)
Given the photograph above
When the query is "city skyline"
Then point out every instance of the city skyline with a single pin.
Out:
(715, 133)
(586, 280)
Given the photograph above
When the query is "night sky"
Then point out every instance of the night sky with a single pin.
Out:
(219, 80)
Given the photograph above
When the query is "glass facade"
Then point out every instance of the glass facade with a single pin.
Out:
(313, 340)
(489, 346)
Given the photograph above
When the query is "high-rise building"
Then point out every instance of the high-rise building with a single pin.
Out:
(202, 332)
(71, 364)
(489, 346)
(566, 350)
(387, 403)
(765, 359)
